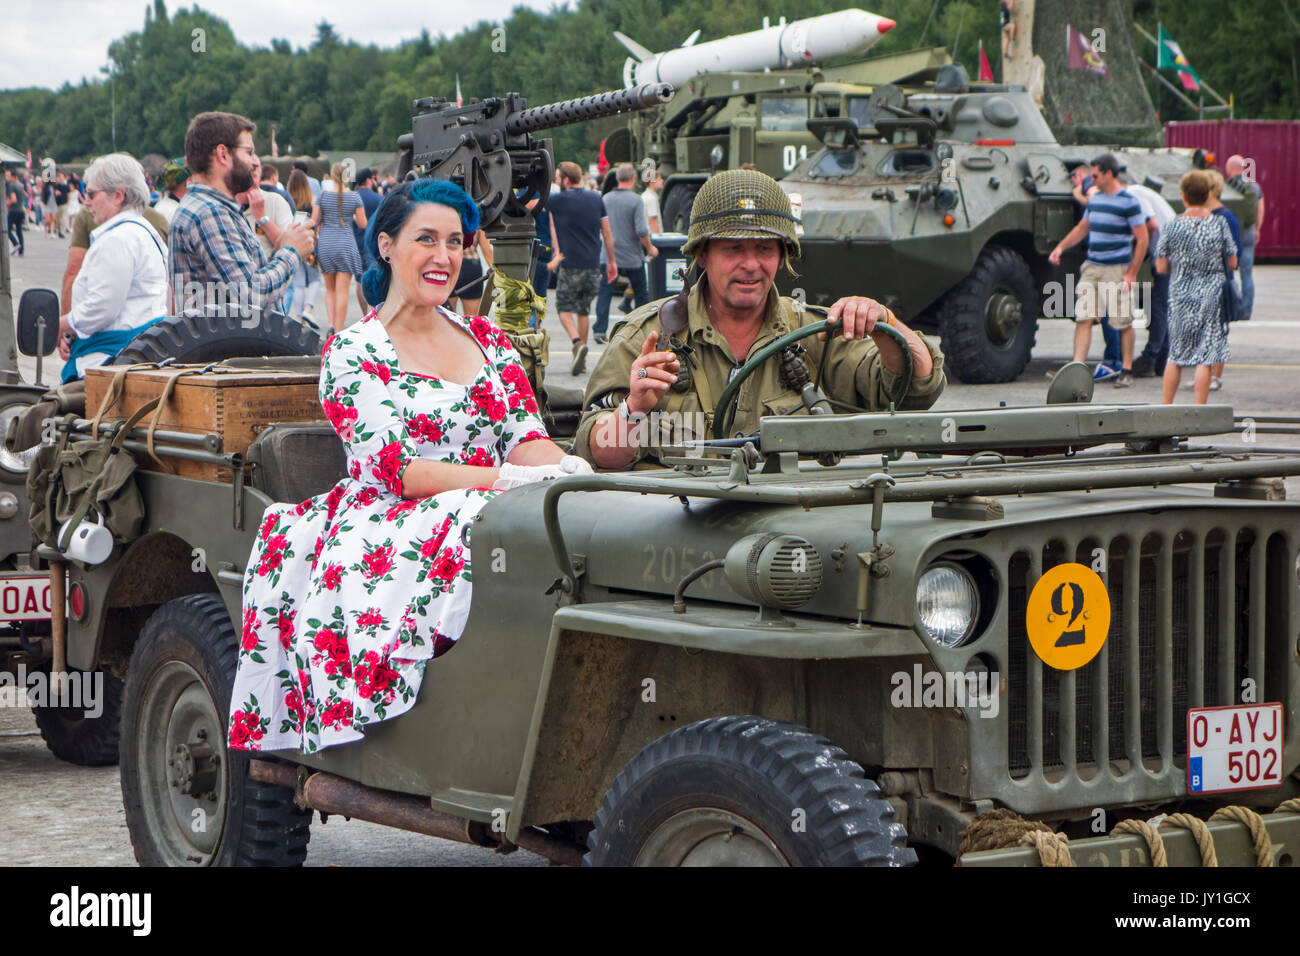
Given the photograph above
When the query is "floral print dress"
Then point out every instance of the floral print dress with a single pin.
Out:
(348, 595)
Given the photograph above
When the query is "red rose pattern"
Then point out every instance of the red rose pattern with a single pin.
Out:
(343, 642)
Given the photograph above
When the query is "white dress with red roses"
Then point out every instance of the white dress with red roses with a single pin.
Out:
(348, 595)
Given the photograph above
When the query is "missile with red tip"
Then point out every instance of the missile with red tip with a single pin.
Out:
(799, 43)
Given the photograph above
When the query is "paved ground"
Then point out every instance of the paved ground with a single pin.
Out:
(54, 813)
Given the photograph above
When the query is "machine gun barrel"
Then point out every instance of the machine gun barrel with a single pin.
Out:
(588, 108)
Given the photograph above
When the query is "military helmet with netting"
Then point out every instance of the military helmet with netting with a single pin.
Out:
(741, 204)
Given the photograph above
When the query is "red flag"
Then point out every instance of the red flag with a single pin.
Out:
(1082, 55)
(986, 71)
(460, 100)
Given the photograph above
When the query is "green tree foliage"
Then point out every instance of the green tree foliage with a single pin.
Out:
(340, 94)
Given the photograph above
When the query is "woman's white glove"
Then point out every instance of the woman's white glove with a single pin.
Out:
(573, 465)
(512, 476)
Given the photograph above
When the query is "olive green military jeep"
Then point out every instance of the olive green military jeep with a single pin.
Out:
(799, 648)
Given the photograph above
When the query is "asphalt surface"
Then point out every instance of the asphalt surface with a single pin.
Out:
(52, 813)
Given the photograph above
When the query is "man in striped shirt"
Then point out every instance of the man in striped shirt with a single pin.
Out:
(1117, 242)
(215, 258)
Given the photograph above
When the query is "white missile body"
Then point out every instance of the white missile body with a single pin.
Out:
(814, 40)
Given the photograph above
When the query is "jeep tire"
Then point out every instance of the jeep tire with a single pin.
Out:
(188, 339)
(81, 740)
(745, 791)
(988, 321)
(188, 798)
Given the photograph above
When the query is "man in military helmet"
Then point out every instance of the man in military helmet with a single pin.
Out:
(742, 231)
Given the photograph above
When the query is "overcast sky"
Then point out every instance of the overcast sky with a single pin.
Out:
(50, 42)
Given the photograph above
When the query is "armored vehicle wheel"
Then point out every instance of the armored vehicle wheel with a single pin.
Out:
(82, 740)
(988, 323)
(188, 799)
(213, 338)
(677, 208)
(745, 791)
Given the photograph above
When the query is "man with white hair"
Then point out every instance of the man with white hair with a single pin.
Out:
(122, 285)
(1252, 221)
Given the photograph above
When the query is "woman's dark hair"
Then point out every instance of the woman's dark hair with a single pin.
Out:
(391, 216)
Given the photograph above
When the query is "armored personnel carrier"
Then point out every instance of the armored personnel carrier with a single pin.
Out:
(944, 202)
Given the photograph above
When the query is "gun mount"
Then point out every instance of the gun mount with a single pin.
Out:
(487, 148)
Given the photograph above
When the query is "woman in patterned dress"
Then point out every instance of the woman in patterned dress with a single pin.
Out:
(1196, 247)
(348, 595)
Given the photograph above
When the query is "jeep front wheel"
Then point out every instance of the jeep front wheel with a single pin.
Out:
(745, 791)
(988, 322)
(188, 799)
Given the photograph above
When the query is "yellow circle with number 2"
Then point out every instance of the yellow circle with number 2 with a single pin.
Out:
(1068, 616)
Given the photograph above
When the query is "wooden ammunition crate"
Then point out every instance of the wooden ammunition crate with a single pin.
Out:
(235, 404)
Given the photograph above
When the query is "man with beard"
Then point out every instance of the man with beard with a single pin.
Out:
(215, 257)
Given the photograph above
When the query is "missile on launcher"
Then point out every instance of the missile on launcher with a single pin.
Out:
(799, 43)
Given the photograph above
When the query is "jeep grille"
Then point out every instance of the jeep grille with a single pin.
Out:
(1194, 613)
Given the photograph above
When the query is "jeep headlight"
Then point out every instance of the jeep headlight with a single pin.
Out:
(947, 604)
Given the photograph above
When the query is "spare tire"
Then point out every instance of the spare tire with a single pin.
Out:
(211, 338)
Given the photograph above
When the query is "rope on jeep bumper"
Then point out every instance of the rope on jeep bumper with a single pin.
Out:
(997, 830)
(1200, 833)
(1053, 848)
(1263, 845)
(1155, 844)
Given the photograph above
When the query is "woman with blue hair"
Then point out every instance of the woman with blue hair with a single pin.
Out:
(348, 595)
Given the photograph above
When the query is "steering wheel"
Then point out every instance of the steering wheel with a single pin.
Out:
(724, 413)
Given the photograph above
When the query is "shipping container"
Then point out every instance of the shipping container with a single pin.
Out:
(1274, 145)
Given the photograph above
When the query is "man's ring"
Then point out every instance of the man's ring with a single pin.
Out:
(641, 373)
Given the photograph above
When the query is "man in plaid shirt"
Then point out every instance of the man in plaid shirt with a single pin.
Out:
(216, 259)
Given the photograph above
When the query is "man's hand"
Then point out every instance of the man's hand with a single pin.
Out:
(859, 315)
(298, 236)
(1130, 277)
(256, 200)
(645, 391)
(611, 271)
(1055, 257)
(555, 262)
(65, 343)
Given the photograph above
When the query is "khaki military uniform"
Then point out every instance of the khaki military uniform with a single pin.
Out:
(854, 374)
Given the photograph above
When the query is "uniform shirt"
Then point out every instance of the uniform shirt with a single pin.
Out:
(212, 244)
(1111, 221)
(854, 374)
(122, 283)
(577, 214)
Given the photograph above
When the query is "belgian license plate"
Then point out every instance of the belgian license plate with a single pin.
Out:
(25, 597)
(1234, 748)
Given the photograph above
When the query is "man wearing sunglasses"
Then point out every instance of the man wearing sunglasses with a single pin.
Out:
(214, 252)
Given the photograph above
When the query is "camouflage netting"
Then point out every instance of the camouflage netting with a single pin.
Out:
(1080, 106)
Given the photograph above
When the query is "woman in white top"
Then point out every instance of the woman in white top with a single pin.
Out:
(122, 285)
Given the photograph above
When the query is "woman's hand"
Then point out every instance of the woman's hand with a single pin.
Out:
(653, 373)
